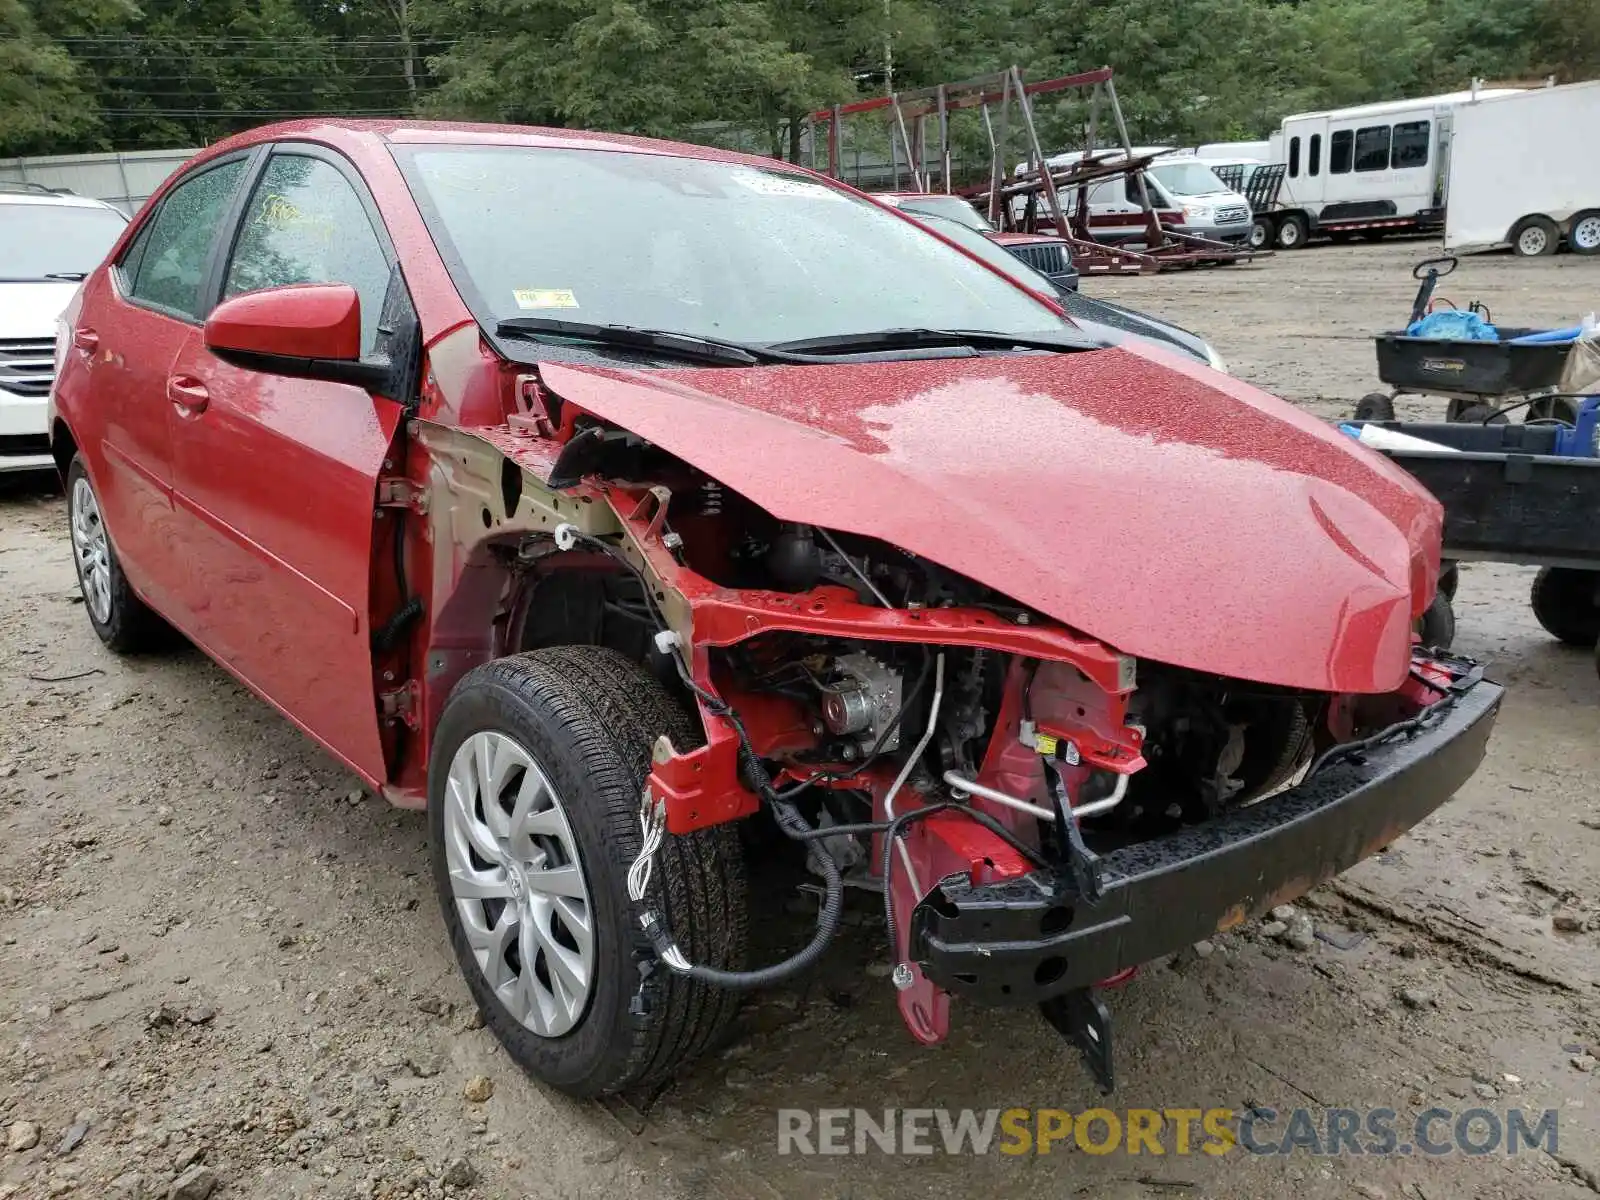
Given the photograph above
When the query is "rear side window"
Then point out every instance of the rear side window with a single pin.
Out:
(1339, 152)
(1410, 145)
(1315, 164)
(167, 262)
(306, 224)
(1372, 148)
(1294, 158)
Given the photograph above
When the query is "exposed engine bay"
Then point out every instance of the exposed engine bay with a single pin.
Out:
(919, 734)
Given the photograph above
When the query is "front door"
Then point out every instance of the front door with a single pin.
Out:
(275, 478)
(131, 333)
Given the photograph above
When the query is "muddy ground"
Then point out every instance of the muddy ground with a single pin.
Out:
(221, 958)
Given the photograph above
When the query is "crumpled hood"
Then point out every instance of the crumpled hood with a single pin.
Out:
(1168, 510)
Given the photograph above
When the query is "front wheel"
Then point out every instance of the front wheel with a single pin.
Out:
(537, 769)
(1535, 237)
(1261, 233)
(120, 619)
(1566, 601)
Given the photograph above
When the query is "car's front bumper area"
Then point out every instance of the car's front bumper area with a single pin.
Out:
(1026, 940)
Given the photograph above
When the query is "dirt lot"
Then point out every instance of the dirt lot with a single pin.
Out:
(218, 952)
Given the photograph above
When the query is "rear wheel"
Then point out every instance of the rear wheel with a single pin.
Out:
(1565, 602)
(1375, 406)
(537, 770)
(1554, 408)
(1292, 232)
(122, 620)
(1474, 412)
(1535, 237)
(1584, 235)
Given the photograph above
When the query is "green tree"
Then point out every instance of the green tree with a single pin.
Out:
(43, 103)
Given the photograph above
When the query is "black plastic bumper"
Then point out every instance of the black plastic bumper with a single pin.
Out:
(1029, 939)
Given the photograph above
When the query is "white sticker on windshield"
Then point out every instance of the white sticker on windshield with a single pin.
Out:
(545, 298)
(774, 184)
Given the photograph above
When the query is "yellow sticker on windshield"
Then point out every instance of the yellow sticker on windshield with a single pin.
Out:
(545, 298)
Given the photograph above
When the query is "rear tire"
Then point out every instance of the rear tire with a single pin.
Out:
(1292, 232)
(1583, 235)
(1564, 603)
(120, 619)
(1438, 624)
(586, 718)
(1476, 414)
(1535, 237)
(1554, 408)
(1375, 406)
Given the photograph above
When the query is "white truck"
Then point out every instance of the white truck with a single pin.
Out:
(1523, 172)
(1371, 169)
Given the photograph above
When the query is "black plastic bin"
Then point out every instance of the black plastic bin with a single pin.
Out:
(1500, 368)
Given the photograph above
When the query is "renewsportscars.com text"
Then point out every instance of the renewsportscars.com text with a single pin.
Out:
(1175, 1131)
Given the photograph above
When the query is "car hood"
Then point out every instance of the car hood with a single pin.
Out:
(29, 310)
(1168, 510)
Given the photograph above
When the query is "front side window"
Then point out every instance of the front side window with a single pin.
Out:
(168, 261)
(306, 224)
(1372, 148)
(1340, 152)
(708, 248)
(54, 241)
(1410, 145)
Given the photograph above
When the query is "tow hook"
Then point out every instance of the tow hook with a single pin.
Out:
(1082, 1018)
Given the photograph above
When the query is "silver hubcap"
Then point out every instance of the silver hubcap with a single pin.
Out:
(92, 550)
(1586, 233)
(1532, 241)
(518, 883)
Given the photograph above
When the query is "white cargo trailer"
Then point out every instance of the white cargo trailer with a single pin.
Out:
(1524, 171)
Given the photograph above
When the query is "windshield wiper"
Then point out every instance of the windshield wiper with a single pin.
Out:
(900, 339)
(680, 345)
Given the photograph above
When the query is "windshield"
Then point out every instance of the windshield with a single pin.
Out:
(952, 208)
(713, 249)
(1187, 178)
(38, 241)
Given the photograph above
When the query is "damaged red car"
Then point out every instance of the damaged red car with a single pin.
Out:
(600, 540)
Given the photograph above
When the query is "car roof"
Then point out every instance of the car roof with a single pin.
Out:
(372, 133)
(55, 200)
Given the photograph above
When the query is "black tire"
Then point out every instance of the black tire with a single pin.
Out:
(1262, 233)
(1292, 232)
(1564, 603)
(1438, 624)
(1583, 235)
(1449, 578)
(127, 626)
(1375, 406)
(589, 717)
(1554, 408)
(1535, 237)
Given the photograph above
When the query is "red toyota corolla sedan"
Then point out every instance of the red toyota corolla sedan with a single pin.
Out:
(598, 495)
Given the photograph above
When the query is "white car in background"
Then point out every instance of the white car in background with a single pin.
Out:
(48, 243)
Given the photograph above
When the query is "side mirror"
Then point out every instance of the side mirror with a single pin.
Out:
(307, 331)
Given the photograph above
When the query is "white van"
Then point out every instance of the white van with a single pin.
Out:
(1185, 192)
(1371, 169)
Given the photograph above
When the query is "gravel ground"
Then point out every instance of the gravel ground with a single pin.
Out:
(223, 970)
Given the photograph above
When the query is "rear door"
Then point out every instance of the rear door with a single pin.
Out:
(132, 327)
(275, 478)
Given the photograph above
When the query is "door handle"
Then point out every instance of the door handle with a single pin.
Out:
(188, 394)
(86, 340)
